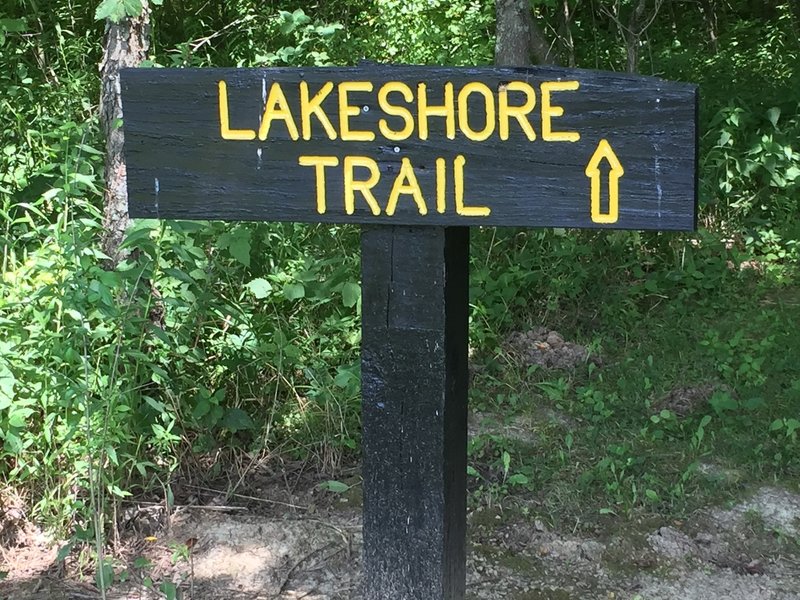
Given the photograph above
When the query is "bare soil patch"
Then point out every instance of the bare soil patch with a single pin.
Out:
(749, 551)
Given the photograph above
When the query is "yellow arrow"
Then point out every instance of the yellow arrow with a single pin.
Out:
(604, 151)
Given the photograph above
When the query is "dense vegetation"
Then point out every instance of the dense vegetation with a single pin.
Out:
(245, 337)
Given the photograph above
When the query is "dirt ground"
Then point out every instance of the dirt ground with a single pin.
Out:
(306, 544)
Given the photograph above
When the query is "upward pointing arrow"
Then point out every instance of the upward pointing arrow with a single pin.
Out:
(604, 151)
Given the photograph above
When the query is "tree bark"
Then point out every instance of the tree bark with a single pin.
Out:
(125, 45)
(519, 38)
(634, 36)
(709, 10)
(567, 14)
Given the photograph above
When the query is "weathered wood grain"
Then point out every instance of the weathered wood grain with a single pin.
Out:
(414, 389)
(180, 167)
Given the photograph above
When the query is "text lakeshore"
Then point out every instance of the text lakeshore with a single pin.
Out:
(412, 110)
(414, 145)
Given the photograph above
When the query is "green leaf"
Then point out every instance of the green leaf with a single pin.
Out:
(351, 292)
(344, 377)
(112, 455)
(776, 424)
(518, 479)
(773, 114)
(506, 461)
(201, 409)
(159, 407)
(721, 401)
(237, 243)
(13, 25)
(169, 589)
(117, 10)
(237, 420)
(105, 575)
(287, 24)
(13, 444)
(260, 288)
(300, 17)
(18, 417)
(118, 491)
(472, 471)
(294, 291)
(64, 551)
(792, 173)
(652, 495)
(7, 382)
(327, 30)
(335, 486)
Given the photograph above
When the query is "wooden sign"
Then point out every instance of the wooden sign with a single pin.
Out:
(416, 155)
(402, 145)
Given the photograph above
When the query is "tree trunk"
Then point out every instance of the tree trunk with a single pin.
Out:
(126, 44)
(634, 36)
(513, 41)
(710, 14)
(541, 48)
(567, 14)
(518, 37)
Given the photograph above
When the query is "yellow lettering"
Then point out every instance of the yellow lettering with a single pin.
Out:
(395, 111)
(319, 163)
(447, 110)
(549, 111)
(276, 108)
(441, 174)
(365, 187)
(406, 183)
(313, 106)
(224, 120)
(518, 112)
(458, 175)
(346, 111)
(463, 111)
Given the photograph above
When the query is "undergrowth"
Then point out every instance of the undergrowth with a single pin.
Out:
(246, 336)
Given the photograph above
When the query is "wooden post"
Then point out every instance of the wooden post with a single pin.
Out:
(415, 284)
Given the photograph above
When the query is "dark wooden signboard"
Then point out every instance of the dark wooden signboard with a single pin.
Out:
(417, 155)
(532, 147)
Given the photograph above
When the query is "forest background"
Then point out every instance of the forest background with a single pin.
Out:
(207, 345)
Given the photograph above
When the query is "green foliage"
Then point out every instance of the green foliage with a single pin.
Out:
(246, 335)
(435, 32)
(496, 467)
(117, 10)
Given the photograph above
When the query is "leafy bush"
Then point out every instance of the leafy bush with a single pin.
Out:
(246, 335)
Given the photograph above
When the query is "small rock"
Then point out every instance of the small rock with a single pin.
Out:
(592, 550)
(671, 543)
(547, 349)
(754, 567)
(555, 340)
(704, 538)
